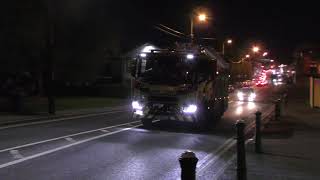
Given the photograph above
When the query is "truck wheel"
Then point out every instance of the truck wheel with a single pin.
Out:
(147, 123)
(204, 119)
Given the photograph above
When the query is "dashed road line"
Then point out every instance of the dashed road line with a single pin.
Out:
(70, 139)
(62, 148)
(62, 137)
(104, 130)
(16, 154)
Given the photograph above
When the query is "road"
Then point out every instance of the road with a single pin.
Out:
(112, 146)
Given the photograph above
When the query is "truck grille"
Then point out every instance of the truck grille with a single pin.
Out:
(163, 99)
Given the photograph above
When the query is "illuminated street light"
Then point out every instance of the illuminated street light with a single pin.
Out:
(202, 17)
(255, 49)
(248, 55)
(265, 54)
(229, 41)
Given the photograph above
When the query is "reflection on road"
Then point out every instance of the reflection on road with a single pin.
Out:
(243, 106)
(251, 105)
(239, 110)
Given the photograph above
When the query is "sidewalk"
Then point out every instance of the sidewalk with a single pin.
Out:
(291, 148)
(15, 119)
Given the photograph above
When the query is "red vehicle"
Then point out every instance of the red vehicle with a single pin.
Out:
(262, 79)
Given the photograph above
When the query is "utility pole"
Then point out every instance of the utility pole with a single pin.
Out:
(191, 28)
(50, 44)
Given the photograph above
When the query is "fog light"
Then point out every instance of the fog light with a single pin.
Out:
(138, 112)
(136, 105)
(190, 109)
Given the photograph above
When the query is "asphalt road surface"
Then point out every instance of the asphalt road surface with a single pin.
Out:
(112, 146)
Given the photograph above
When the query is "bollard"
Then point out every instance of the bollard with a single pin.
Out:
(188, 163)
(241, 152)
(277, 111)
(258, 132)
(284, 104)
(285, 97)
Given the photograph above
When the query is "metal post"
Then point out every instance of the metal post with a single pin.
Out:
(191, 29)
(277, 112)
(258, 132)
(241, 152)
(285, 97)
(313, 91)
(50, 46)
(188, 163)
(223, 49)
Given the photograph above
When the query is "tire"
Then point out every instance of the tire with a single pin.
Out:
(204, 119)
(147, 123)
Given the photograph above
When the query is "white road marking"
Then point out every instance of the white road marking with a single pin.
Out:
(212, 157)
(213, 154)
(62, 137)
(104, 130)
(225, 165)
(16, 154)
(62, 148)
(220, 153)
(70, 139)
(58, 119)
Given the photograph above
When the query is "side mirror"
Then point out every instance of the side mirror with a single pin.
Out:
(133, 68)
(133, 74)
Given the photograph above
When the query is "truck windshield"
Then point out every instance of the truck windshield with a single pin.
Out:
(166, 70)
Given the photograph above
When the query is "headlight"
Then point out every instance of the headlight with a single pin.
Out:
(253, 95)
(190, 109)
(136, 105)
(240, 95)
(139, 112)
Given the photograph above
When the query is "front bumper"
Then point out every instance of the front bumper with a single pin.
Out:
(164, 111)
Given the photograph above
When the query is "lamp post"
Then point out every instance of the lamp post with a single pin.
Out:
(201, 17)
(255, 49)
(229, 41)
(50, 43)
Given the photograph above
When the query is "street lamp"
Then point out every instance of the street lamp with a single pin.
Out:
(202, 17)
(248, 55)
(229, 41)
(50, 45)
(265, 54)
(255, 49)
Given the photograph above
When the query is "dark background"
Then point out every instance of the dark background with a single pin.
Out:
(89, 30)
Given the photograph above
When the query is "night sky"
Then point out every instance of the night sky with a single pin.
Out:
(280, 26)
(88, 26)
